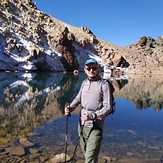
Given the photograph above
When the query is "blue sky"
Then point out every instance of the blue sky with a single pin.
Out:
(121, 22)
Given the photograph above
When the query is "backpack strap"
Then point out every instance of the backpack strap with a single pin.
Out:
(111, 91)
(101, 83)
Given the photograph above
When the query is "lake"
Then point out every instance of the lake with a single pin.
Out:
(33, 124)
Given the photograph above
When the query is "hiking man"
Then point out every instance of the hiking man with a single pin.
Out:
(93, 111)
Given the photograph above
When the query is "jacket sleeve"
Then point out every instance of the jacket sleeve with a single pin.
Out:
(77, 100)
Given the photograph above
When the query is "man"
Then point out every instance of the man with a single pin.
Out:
(93, 111)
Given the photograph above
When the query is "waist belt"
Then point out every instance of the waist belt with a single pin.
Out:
(88, 109)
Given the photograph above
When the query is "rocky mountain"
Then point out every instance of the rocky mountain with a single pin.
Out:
(32, 40)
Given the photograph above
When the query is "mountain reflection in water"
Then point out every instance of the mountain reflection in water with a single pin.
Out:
(33, 122)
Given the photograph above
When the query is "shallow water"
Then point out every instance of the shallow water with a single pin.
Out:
(34, 126)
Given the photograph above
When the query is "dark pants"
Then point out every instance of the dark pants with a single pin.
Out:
(90, 142)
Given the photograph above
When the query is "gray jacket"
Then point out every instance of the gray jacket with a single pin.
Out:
(92, 102)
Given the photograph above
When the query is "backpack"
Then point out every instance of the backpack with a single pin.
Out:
(111, 94)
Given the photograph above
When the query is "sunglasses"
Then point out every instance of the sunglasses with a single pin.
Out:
(91, 68)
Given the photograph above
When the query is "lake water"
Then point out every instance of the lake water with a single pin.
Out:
(33, 124)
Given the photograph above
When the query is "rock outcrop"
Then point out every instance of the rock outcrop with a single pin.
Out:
(32, 40)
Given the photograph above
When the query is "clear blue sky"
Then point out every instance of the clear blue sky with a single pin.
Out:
(121, 22)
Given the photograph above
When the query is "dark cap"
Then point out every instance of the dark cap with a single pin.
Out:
(91, 60)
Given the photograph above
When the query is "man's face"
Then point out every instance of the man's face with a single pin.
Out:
(91, 70)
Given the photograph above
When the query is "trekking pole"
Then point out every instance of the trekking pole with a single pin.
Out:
(66, 136)
(81, 130)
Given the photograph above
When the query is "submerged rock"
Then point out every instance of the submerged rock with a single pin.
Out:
(19, 151)
(60, 158)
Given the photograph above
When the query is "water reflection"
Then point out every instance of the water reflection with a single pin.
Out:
(144, 91)
(31, 106)
(30, 100)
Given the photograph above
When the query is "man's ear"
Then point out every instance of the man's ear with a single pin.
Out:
(85, 70)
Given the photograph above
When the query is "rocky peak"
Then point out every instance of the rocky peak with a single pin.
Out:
(33, 40)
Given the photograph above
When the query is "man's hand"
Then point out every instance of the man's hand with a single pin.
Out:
(67, 110)
(84, 118)
(87, 117)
